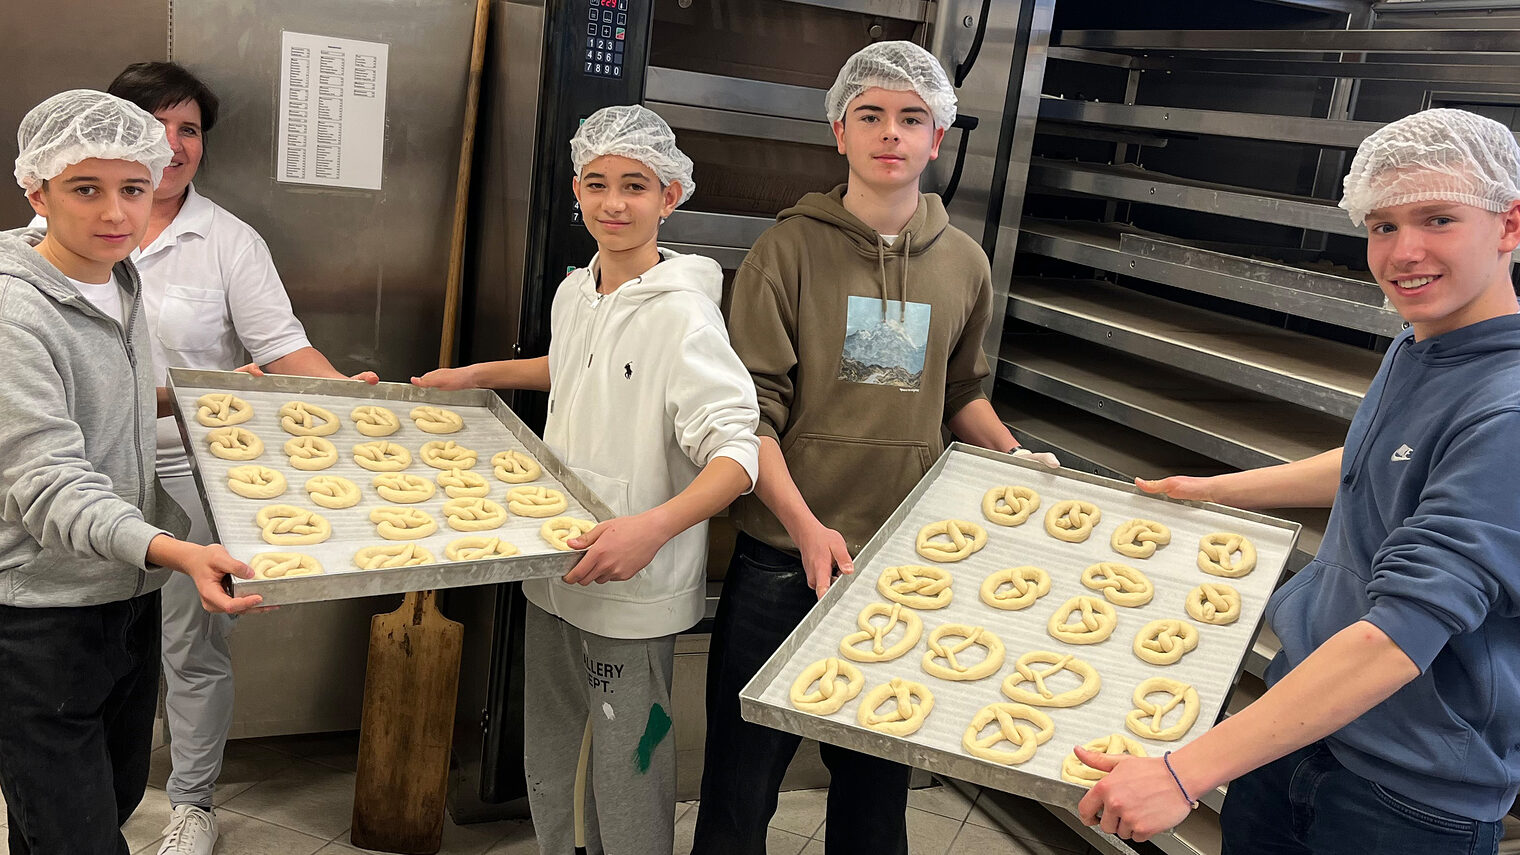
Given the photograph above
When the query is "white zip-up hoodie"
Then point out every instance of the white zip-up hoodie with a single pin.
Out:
(645, 391)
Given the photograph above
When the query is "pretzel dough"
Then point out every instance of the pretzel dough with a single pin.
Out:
(830, 693)
(1009, 505)
(222, 409)
(333, 492)
(515, 467)
(311, 453)
(402, 488)
(536, 501)
(234, 443)
(1072, 520)
(1120, 584)
(1146, 719)
(907, 717)
(447, 454)
(1140, 538)
(970, 635)
(957, 544)
(382, 456)
(474, 514)
(463, 484)
(1022, 737)
(255, 482)
(1215, 604)
(283, 565)
(1216, 555)
(371, 420)
(916, 586)
(299, 418)
(1077, 772)
(288, 525)
(1025, 585)
(1042, 696)
(402, 523)
(392, 555)
(437, 420)
(477, 548)
(1097, 621)
(877, 633)
(1162, 642)
(559, 531)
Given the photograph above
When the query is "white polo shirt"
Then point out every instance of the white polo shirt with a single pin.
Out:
(213, 300)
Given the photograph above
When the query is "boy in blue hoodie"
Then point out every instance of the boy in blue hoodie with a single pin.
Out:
(1392, 722)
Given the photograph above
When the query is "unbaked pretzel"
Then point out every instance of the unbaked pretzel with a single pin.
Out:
(283, 565)
(310, 453)
(515, 467)
(1216, 555)
(392, 555)
(1009, 505)
(222, 409)
(255, 482)
(957, 543)
(1077, 772)
(1139, 538)
(1026, 672)
(447, 454)
(916, 586)
(1022, 737)
(402, 523)
(559, 531)
(536, 501)
(474, 514)
(1146, 719)
(1025, 585)
(969, 635)
(1097, 621)
(288, 525)
(402, 488)
(1072, 520)
(1120, 584)
(436, 420)
(333, 492)
(1217, 604)
(1162, 642)
(382, 456)
(830, 694)
(371, 420)
(477, 547)
(234, 443)
(463, 484)
(299, 418)
(906, 717)
(877, 633)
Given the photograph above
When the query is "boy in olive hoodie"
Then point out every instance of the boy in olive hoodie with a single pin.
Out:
(860, 316)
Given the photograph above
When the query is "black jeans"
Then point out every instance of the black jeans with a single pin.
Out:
(764, 597)
(78, 688)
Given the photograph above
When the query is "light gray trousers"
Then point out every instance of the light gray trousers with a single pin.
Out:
(624, 686)
(197, 671)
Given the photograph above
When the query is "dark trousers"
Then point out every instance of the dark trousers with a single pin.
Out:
(1307, 803)
(78, 688)
(765, 596)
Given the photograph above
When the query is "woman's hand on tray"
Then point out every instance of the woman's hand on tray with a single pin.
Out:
(822, 549)
(1044, 457)
(252, 369)
(616, 549)
(207, 566)
(1137, 800)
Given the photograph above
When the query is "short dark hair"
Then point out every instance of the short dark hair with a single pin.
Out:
(156, 85)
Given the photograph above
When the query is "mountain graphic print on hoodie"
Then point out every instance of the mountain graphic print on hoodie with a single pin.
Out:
(860, 352)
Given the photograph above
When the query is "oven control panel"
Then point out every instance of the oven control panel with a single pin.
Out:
(606, 32)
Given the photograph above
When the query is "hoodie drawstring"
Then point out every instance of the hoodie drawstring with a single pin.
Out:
(907, 239)
(881, 269)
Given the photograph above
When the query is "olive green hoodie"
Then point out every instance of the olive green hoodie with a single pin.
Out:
(860, 352)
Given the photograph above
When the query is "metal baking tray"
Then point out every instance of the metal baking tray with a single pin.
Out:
(952, 489)
(490, 426)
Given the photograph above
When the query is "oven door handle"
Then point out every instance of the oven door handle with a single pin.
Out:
(963, 68)
(967, 124)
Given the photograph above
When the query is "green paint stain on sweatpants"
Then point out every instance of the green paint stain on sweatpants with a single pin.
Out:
(655, 732)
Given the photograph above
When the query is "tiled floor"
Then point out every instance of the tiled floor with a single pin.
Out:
(294, 796)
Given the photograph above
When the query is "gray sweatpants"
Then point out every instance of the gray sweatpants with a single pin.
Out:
(197, 671)
(624, 686)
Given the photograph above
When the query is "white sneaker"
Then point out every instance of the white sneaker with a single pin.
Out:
(191, 831)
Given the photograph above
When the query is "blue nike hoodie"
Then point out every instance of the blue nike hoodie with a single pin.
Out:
(1424, 543)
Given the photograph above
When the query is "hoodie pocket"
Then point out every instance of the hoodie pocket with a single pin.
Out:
(191, 319)
(854, 484)
(612, 491)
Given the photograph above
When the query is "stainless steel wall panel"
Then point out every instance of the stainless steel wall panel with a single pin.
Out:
(1470, 41)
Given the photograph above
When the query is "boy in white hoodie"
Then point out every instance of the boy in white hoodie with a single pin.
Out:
(651, 409)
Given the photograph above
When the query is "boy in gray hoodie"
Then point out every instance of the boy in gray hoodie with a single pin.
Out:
(84, 527)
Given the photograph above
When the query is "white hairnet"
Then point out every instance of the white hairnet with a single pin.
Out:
(636, 133)
(80, 124)
(897, 66)
(1435, 155)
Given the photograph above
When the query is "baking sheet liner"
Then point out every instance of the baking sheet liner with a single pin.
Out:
(953, 489)
(489, 427)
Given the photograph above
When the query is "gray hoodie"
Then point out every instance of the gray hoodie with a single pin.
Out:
(76, 440)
